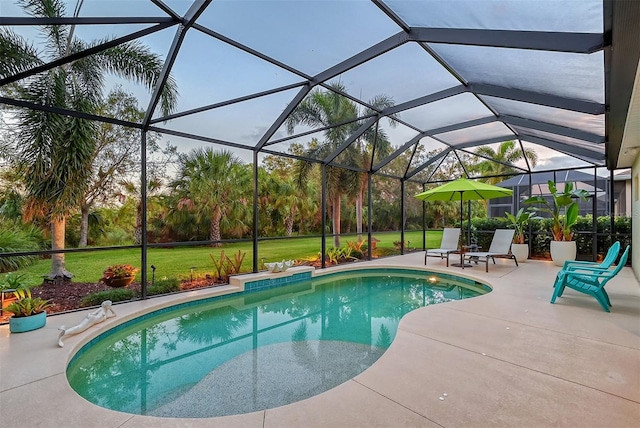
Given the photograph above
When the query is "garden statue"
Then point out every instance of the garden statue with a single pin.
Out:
(92, 318)
(279, 266)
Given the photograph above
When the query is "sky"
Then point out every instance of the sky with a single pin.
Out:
(314, 35)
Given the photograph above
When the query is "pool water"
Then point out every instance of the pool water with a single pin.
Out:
(259, 350)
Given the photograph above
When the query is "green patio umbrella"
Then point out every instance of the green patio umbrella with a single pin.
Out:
(464, 189)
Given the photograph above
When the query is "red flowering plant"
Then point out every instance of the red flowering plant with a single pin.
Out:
(118, 271)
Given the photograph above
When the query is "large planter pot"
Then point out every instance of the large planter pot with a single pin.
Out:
(120, 282)
(562, 251)
(22, 324)
(520, 251)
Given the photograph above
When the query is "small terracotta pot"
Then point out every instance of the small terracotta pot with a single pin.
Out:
(119, 282)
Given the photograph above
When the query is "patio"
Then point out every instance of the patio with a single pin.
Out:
(508, 358)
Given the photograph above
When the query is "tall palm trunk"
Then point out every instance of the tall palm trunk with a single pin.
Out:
(214, 231)
(335, 219)
(84, 226)
(288, 223)
(58, 268)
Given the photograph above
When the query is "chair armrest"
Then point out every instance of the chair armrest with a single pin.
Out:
(592, 274)
(570, 263)
(585, 267)
(586, 270)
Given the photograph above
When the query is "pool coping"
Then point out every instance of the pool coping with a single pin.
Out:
(390, 392)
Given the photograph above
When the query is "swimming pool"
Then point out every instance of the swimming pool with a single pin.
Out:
(253, 351)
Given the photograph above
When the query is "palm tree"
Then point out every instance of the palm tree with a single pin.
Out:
(286, 201)
(131, 190)
(54, 152)
(373, 138)
(330, 109)
(327, 108)
(215, 185)
(508, 153)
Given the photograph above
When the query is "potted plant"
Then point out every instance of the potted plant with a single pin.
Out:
(119, 275)
(518, 247)
(7, 287)
(564, 213)
(28, 312)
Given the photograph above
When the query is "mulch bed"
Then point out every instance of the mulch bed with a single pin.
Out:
(68, 296)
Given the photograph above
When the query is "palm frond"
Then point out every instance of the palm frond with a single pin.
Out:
(16, 55)
(134, 61)
(56, 35)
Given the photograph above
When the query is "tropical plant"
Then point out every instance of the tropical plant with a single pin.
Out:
(519, 221)
(15, 237)
(117, 272)
(220, 266)
(12, 281)
(286, 203)
(236, 264)
(503, 160)
(563, 209)
(26, 305)
(54, 152)
(357, 248)
(215, 186)
(342, 254)
(329, 109)
(373, 145)
(334, 254)
(225, 266)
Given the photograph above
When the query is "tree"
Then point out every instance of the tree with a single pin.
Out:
(215, 186)
(55, 151)
(130, 190)
(281, 194)
(330, 109)
(508, 153)
(373, 138)
(285, 200)
(116, 159)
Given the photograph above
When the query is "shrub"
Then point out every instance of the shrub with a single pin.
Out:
(164, 286)
(115, 295)
(26, 305)
(225, 266)
(482, 228)
(16, 237)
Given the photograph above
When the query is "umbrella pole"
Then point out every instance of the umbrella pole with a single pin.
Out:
(461, 218)
(469, 222)
(461, 264)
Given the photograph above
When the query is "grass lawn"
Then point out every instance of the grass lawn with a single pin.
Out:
(177, 262)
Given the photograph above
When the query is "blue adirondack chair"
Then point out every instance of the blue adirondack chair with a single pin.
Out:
(590, 280)
(607, 262)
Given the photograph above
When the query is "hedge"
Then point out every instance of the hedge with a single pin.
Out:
(482, 231)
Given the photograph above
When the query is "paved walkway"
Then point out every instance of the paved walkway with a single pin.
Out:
(508, 358)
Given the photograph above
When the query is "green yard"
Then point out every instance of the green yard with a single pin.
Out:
(177, 262)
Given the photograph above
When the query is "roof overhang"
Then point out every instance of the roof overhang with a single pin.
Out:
(624, 84)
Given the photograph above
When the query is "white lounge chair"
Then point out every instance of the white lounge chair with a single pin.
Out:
(449, 244)
(500, 246)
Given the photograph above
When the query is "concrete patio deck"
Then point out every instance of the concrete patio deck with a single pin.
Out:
(508, 358)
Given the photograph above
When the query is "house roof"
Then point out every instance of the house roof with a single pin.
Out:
(544, 177)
